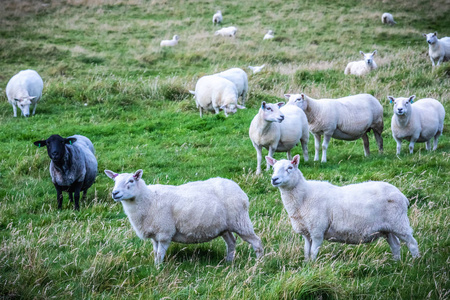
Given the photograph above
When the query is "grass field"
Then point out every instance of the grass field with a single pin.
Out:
(106, 77)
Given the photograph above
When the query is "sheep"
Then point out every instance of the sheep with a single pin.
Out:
(418, 122)
(217, 18)
(278, 128)
(256, 69)
(240, 80)
(387, 18)
(361, 67)
(269, 35)
(195, 212)
(213, 93)
(438, 49)
(227, 31)
(348, 118)
(23, 89)
(73, 166)
(170, 43)
(351, 214)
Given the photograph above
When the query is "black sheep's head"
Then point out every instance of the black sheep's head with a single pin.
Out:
(56, 146)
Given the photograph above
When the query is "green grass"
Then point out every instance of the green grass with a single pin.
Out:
(107, 78)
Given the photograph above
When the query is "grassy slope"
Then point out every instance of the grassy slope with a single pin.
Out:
(139, 115)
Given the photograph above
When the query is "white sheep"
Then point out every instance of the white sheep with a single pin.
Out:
(227, 31)
(24, 89)
(217, 18)
(170, 43)
(361, 67)
(240, 80)
(214, 93)
(269, 35)
(194, 212)
(418, 122)
(348, 118)
(438, 49)
(278, 128)
(351, 214)
(387, 18)
(256, 69)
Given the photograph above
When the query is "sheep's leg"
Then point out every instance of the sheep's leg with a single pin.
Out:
(255, 241)
(399, 145)
(77, 198)
(289, 156)
(155, 247)
(271, 151)
(395, 245)
(436, 138)
(365, 139)
(316, 146)
(14, 110)
(84, 196)
(34, 108)
(244, 96)
(307, 247)
(378, 138)
(231, 245)
(428, 145)
(305, 150)
(162, 248)
(258, 158)
(326, 141)
(316, 243)
(59, 197)
(201, 113)
(70, 197)
(411, 243)
(411, 145)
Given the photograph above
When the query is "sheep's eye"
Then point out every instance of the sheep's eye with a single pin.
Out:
(269, 109)
(289, 168)
(130, 181)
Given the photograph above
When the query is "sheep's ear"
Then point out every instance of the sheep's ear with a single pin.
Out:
(263, 105)
(41, 143)
(435, 33)
(374, 52)
(271, 161)
(240, 106)
(32, 97)
(411, 99)
(295, 161)
(287, 96)
(424, 34)
(362, 53)
(192, 92)
(280, 104)
(302, 96)
(70, 140)
(391, 99)
(111, 174)
(138, 174)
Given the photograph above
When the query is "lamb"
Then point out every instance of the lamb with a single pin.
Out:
(438, 49)
(362, 67)
(227, 31)
(387, 18)
(24, 89)
(170, 43)
(73, 166)
(213, 93)
(256, 69)
(418, 122)
(240, 80)
(278, 130)
(195, 212)
(352, 214)
(217, 18)
(269, 35)
(348, 118)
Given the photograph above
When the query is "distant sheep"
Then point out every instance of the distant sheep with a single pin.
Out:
(240, 80)
(438, 49)
(73, 166)
(214, 93)
(170, 43)
(24, 89)
(227, 31)
(362, 67)
(217, 18)
(256, 69)
(387, 18)
(417, 122)
(351, 214)
(348, 118)
(195, 212)
(269, 35)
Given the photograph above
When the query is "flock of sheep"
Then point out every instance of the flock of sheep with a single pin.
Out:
(203, 210)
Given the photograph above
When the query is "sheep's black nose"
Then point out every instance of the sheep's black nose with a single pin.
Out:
(274, 180)
(114, 193)
(429, 42)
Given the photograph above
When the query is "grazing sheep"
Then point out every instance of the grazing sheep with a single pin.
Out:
(227, 31)
(217, 18)
(362, 67)
(418, 122)
(213, 93)
(256, 69)
(269, 35)
(240, 80)
(24, 89)
(387, 18)
(170, 43)
(438, 49)
(278, 128)
(352, 214)
(348, 118)
(194, 212)
(73, 166)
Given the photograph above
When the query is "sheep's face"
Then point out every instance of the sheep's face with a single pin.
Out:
(126, 185)
(368, 57)
(176, 37)
(297, 99)
(402, 106)
(231, 108)
(56, 147)
(24, 105)
(271, 112)
(431, 38)
(284, 171)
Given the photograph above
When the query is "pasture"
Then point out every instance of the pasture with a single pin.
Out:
(106, 77)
